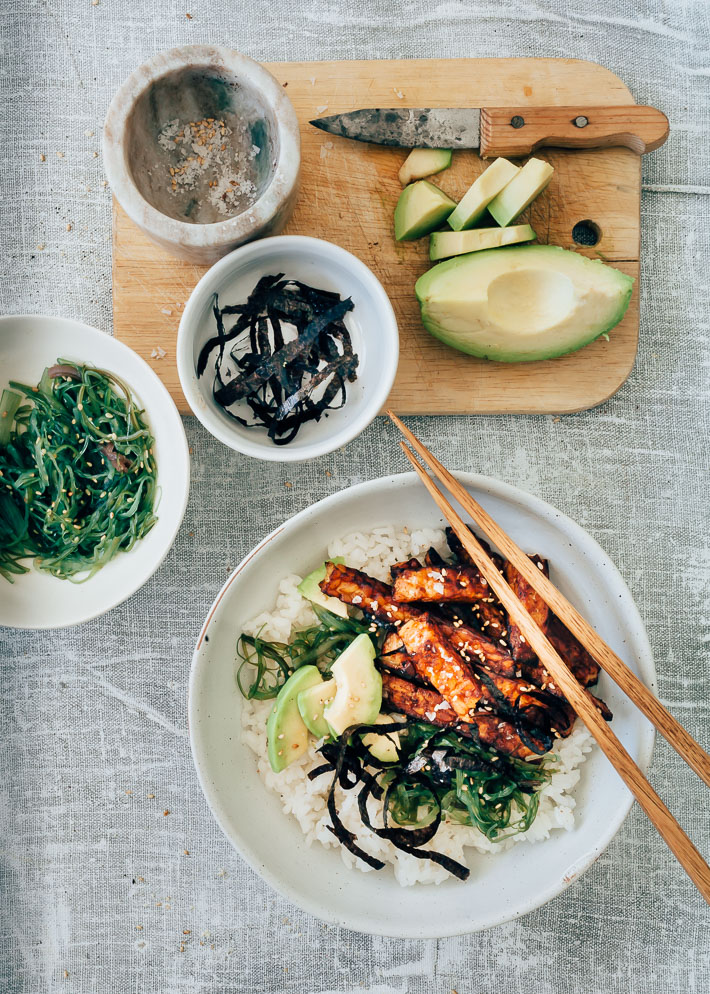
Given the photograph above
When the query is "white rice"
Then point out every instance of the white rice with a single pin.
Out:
(374, 552)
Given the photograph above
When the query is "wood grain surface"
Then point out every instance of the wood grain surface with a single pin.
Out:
(642, 129)
(348, 194)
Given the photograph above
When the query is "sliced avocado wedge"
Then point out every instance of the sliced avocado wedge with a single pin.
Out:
(528, 182)
(522, 303)
(423, 162)
(488, 185)
(383, 747)
(286, 733)
(421, 208)
(309, 588)
(444, 244)
(311, 703)
(358, 694)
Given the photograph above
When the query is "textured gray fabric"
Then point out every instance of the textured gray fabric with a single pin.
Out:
(98, 893)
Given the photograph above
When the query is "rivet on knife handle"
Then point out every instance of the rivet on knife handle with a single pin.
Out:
(515, 131)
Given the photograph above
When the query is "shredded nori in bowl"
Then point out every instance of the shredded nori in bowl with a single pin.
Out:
(437, 775)
(286, 381)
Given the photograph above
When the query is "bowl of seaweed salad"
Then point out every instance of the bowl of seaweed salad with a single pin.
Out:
(94, 471)
(287, 348)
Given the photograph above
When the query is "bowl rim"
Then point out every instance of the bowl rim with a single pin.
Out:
(180, 451)
(581, 539)
(161, 226)
(389, 336)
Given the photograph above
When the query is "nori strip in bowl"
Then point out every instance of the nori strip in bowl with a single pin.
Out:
(277, 378)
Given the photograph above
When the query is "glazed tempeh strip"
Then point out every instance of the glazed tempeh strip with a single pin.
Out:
(458, 584)
(428, 705)
(438, 662)
(584, 667)
(578, 660)
(534, 604)
(394, 657)
(573, 653)
(492, 619)
(371, 596)
(375, 597)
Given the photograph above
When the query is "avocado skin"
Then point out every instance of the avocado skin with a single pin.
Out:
(504, 355)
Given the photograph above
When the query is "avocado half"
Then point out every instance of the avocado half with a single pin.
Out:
(522, 303)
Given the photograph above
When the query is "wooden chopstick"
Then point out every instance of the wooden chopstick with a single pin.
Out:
(674, 733)
(674, 836)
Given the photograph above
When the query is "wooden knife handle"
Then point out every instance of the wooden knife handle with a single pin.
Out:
(514, 131)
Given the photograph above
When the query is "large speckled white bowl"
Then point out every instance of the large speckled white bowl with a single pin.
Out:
(127, 154)
(501, 886)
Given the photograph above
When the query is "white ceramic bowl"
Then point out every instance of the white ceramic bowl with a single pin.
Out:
(500, 887)
(167, 87)
(371, 322)
(36, 600)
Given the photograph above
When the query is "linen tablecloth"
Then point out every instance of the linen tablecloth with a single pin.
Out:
(99, 893)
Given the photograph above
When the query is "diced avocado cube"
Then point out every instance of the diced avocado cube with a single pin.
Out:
(488, 185)
(423, 162)
(421, 208)
(527, 184)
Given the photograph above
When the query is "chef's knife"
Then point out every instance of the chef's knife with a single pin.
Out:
(503, 130)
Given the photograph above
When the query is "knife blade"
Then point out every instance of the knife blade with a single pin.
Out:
(503, 130)
(407, 127)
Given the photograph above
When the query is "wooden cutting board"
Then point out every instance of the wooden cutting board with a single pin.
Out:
(348, 194)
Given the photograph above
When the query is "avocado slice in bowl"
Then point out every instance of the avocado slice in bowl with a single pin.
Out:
(286, 732)
(311, 703)
(309, 588)
(358, 695)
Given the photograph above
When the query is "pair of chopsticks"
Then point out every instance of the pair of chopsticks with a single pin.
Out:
(674, 836)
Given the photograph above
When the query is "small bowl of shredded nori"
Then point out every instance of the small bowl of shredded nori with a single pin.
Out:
(287, 348)
(94, 472)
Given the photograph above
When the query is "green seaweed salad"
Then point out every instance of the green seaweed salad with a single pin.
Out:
(438, 773)
(78, 479)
